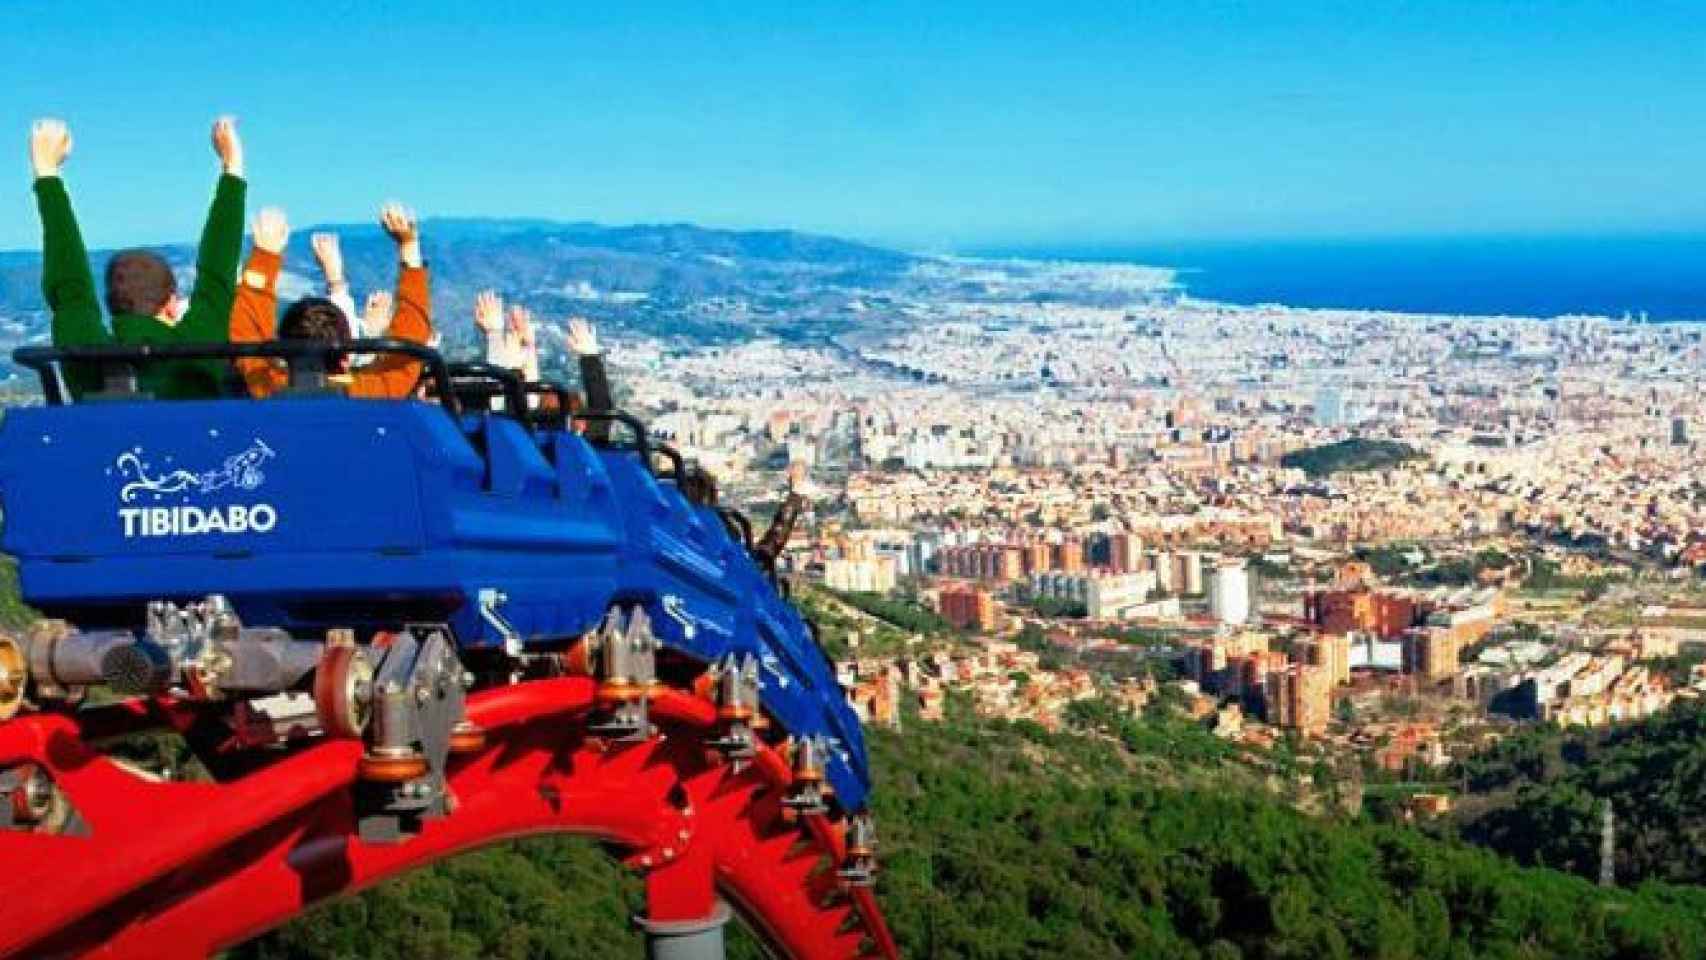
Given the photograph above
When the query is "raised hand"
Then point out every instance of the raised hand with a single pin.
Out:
(400, 223)
(272, 230)
(228, 145)
(331, 258)
(796, 477)
(582, 339)
(488, 312)
(50, 144)
(521, 324)
(376, 313)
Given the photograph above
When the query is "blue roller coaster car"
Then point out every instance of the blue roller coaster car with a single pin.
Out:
(310, 511)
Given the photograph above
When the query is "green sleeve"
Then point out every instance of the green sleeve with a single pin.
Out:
(208, 319)
(66, 282)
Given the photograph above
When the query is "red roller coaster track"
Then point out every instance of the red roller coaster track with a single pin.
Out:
(174, 869)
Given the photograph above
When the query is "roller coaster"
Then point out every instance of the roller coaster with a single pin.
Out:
(390, 632)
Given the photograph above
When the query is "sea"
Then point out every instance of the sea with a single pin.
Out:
(1662, 277)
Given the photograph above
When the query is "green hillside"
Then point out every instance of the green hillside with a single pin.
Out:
(1139, 839)
(1350, 456)
(1539, 797)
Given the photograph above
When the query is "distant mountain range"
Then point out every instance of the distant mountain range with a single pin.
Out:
(650, 278)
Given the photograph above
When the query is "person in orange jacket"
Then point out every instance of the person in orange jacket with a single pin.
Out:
(317, 318)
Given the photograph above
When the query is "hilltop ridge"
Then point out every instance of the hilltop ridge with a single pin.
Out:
(641, 276)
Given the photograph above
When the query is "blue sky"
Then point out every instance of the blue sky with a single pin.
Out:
(930, 126)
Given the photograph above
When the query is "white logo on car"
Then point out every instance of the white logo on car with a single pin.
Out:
(240, 471)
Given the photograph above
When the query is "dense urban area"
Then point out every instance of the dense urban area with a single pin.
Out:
(1389, 540)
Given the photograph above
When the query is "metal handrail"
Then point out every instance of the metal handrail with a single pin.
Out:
(492, 380)
(307, 361)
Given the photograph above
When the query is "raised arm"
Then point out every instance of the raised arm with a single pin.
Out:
(376, 316)
(775, 539)
(488, 320)
(525, 351)
(331, 260)
(393, 376)
(221, 244)
(254, 313)
(67, 284)
(583, 341)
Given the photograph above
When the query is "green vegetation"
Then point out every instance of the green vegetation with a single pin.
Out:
(1351, 456)
(552, 899)
(13, 614)
(1392, 562)
(1544, 576)
(1056, 608)
(1679, 670)
(834, 627)
(882, 625)
(1050, 657)
(1162, 731)
(1269, 570)
(1462, 570)
(902, 612)
(1134, 837)
(1136, 636)
(1538, 797)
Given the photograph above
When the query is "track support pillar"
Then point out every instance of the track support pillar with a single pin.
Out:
(687, 939)
(684, 916)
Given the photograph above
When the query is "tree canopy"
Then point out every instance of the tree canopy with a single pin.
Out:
(1124, 837)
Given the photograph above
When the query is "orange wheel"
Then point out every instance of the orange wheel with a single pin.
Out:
(342, 690)
(379, 768)
(14, 670)
(467, 738)
(617, 692)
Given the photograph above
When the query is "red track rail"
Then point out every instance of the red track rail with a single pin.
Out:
(174, 870)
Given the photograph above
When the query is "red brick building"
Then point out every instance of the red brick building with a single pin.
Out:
(967, 607)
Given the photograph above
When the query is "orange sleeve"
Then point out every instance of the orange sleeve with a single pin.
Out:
(253, 320)
(392, 376)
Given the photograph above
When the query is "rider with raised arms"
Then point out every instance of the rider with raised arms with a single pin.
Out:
(141, 292)
(318, 318)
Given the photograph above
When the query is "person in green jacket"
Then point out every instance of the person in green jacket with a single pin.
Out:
(141, 292)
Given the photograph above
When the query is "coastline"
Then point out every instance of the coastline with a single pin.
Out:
(1518, 277)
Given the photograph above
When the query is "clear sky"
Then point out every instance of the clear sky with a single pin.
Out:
(932, 126)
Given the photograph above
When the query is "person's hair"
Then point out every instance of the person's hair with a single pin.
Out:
(139, 282)
(314, 318)
(698, 486)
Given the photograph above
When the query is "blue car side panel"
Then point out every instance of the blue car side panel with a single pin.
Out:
(319, 511)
